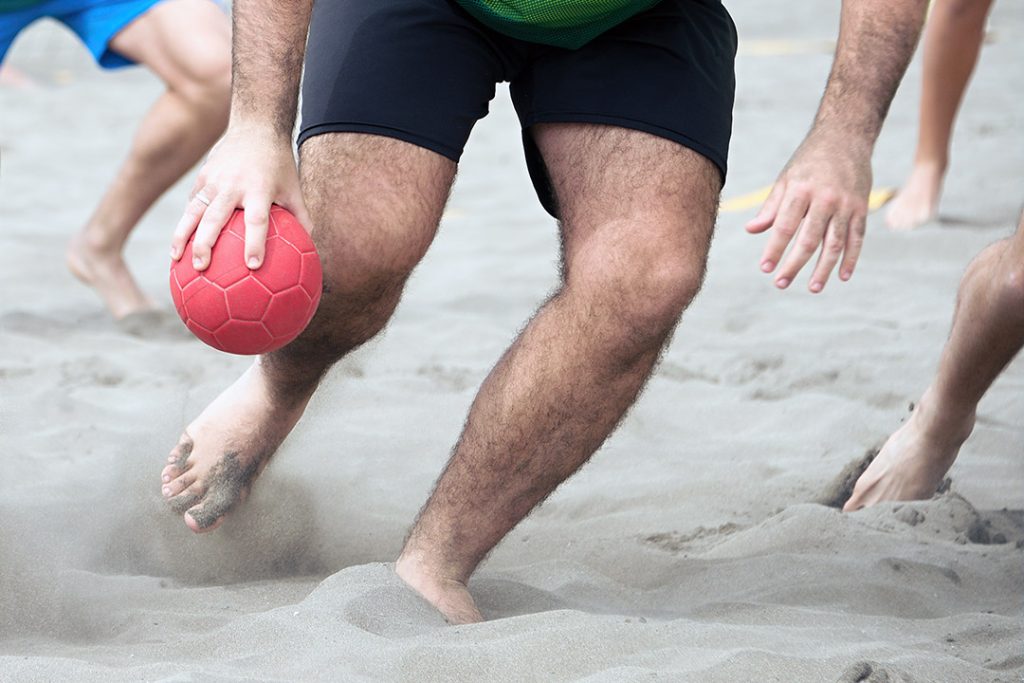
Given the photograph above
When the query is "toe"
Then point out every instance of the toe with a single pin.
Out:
(208, 513)
(856, 501)
(197, 525)
(179, 484)
(168, 473)
(188, 498)
(178, 460)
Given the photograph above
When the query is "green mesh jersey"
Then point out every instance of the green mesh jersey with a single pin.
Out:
(565, 23)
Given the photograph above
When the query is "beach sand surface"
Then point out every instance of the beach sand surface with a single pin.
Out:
(695, 546)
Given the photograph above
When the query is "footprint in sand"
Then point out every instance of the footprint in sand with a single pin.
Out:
(747, 369)
(910, 516)
(873, 672)
(155, 324)
(449, 378)
(680, 373)
(824, 379)
(51, 325)
(91, 371)
(919, 572)
(737, 324)
(675, 542)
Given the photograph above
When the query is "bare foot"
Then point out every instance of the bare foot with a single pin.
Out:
(918, 200)
(226, 447)
(449, 596)
(105, 271)
(913, 462)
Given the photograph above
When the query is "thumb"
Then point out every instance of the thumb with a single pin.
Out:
(766, 216)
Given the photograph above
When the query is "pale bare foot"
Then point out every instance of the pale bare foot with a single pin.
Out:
(105, 271)
(449, 596)
(913, 462)
(226, 447)
(917, 201)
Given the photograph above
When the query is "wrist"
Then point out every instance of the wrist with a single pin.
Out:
(259, 124)
(853, 142)
(847, 119)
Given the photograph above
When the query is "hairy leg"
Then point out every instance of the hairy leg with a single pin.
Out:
(952, 43)
(988, 331)
(638, 212)
(187, 43)
(375, 205)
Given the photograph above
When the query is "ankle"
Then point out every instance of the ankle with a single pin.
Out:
(289, 387)
(944, 419)
(97, 243)
(418, 567)
(933, 167)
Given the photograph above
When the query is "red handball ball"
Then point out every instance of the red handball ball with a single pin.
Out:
(244, 311)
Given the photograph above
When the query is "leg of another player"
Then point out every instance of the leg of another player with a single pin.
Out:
(952, 43)
(375, 204)
(187, 43)
(638, 212)
(988, 331)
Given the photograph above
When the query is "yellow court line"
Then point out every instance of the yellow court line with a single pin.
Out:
(877, 199)
(880, 197)
(746, 201)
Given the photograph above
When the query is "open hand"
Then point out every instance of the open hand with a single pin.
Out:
(819, 200)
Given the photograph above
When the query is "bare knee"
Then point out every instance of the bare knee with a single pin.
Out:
(365, 270)
(1010, 291)
(659, 293)
(205, 81)
(360, 293)
(375, 204)
(643, 293)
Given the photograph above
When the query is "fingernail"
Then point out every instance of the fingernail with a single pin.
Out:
(254, 262)
(197, 262)
(766, 266)
(815, 287)
(167, 490)
(166, 478)
(844, 275)
(782, 283)
(174, 253)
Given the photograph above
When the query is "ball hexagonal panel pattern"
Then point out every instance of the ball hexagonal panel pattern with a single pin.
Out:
(243, 311)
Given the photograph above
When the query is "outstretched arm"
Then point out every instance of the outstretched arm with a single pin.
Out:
(253, 165)
(820, 198)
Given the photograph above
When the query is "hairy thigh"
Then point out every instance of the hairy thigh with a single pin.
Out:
(375, 203)
(626, 194)
(187, 43)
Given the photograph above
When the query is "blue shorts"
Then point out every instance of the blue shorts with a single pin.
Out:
(95, 22)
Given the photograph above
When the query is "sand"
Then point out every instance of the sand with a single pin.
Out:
(694, 547)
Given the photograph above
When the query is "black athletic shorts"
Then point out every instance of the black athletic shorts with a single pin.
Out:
(424, 71)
